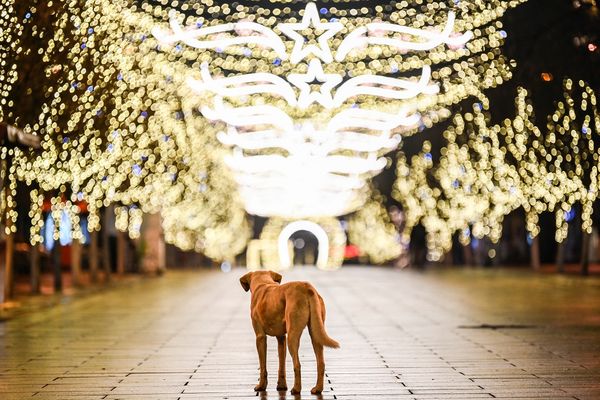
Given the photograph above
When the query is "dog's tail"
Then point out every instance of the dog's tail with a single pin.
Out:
(317, 321)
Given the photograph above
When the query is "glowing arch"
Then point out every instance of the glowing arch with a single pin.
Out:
(282, 242)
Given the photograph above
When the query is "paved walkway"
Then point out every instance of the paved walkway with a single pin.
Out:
(439, 335)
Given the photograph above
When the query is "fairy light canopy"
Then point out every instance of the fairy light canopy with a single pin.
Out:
(206, 111)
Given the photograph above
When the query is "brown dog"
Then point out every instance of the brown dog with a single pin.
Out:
(279, 309)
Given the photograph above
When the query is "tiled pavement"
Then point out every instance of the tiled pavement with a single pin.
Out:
(404, 335)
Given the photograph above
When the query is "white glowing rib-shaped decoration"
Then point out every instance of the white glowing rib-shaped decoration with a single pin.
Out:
(259, 35)
(432, 39)
(248, 116)
(244, 85)
(327, 182)
(346, 140)
(371, 119)
(397, 89)
(303, 203)
(331, 164)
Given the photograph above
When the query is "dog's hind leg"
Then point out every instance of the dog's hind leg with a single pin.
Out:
(281, 381)
(261, 348)
(318, 348)
(293, 344)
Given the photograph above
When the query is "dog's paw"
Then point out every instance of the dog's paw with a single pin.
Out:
(282, 387)
(316, 390)
(295, 391)
(260, 388)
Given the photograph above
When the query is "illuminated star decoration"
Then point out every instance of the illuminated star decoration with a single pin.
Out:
(315, 73)
(310, 20)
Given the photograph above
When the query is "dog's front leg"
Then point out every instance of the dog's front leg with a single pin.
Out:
(261, 347)
(281, 381)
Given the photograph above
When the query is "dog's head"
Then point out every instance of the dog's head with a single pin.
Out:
(259, 276)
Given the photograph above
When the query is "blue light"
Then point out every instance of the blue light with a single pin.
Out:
(503, 34)
(90, 89)
(83, 223)
(48, 232)
(28, 15)
(83, 46)
(137, 170)
(428, 156)
(323, 10)
(65, 235)
(570, 215)
(90, 31)
(144, 114)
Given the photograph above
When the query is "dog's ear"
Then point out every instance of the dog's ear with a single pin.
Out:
(245, 281)
(276, 277)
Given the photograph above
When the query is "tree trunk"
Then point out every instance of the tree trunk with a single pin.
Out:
(34, 269)
(9, 266)
(121, 252)
(58, 285)
(585, 254)
(154, 248)
(106, 259)
(93, 256)
(535, 253)
(560, 257)
(76, 262)
(468, 254)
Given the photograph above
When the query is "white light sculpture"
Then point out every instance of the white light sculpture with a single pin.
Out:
(292, 167)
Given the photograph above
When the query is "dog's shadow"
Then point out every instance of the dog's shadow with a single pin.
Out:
(284, 395)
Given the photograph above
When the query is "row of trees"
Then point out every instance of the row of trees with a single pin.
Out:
(486, 171)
